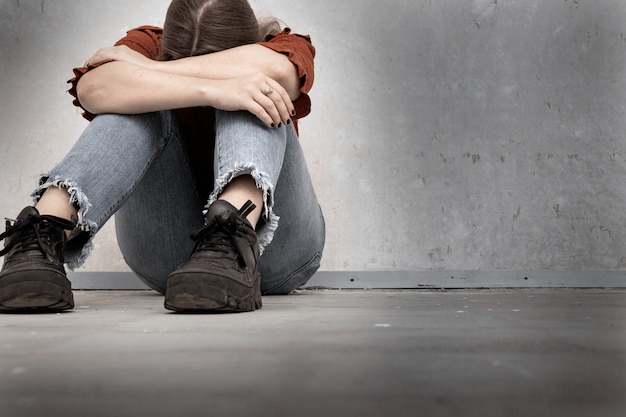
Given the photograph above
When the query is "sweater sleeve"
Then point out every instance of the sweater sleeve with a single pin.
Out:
(145, 39)
(300, 51)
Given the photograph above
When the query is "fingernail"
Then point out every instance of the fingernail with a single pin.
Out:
(273, 125)
(288, 121)
(293, 112)
(280, 124)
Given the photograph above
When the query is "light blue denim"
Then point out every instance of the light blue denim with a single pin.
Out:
(136, 167)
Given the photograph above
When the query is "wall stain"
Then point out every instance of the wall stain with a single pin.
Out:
(539, 157)
(517, 214)
(602, 229)
(438, 254)
(475, 157)
(446, 159)
(574, 5)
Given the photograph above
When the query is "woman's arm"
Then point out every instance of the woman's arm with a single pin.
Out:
(125, 87)
(235, 62)
(223, 65)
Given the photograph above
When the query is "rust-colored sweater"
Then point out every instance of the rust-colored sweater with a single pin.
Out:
(198, 123)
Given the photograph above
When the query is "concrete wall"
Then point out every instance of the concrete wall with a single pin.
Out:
(460, 135)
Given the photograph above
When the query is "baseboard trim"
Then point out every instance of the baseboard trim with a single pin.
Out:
(446, 279)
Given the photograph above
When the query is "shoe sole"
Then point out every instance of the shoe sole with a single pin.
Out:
(199, 294)
(36, 295)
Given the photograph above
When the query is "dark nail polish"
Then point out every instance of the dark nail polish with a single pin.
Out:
(273, 125)
(293, 112)
(280, 124)
(288, 121)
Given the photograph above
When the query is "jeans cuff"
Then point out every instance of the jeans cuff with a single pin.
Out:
(269, 221)
(79, 248)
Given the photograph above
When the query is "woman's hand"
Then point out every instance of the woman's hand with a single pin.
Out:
(258, 94)
(119, 53)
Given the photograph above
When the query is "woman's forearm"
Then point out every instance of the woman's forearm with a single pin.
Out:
(121, 87)
(235, 62)
(125, 88)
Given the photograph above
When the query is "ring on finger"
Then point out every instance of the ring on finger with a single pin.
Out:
(268, 91)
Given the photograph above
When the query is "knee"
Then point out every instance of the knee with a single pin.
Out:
(223, 116)
(153, 125)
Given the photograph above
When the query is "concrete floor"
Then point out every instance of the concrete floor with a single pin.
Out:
(323, 353)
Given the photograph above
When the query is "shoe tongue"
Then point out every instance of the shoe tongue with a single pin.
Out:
(220, 210)
(28, 211)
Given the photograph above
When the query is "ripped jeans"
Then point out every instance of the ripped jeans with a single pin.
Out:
(136, 167)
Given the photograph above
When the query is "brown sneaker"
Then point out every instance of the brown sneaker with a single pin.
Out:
(33, 276)
(221, 274)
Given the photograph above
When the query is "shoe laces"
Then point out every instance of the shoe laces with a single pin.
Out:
(34, 229)
(221, 234)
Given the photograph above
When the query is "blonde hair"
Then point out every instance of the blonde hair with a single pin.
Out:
(199, 27)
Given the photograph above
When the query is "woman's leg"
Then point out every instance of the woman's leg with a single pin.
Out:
(291, 231)
(154, 224)
(90, 183)
(104, 167)
(295, 252)
(245, 149)
(223, 271)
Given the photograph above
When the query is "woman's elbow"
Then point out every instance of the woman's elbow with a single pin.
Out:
(91, 94)
(286, 74)
(86, 93)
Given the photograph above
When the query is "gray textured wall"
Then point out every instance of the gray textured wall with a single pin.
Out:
(471, 135)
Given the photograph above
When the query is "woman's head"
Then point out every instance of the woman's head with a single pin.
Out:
(199, 27)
